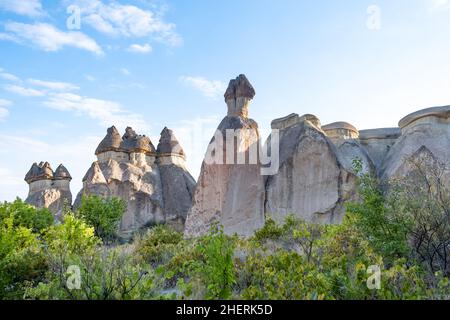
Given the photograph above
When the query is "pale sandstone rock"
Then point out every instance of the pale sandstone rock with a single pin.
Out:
(311, 183)
(231, 194)
(378, 142)
(127, 168)
(429, 128)
(48, 189)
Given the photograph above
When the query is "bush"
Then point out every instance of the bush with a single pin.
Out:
(21, 259)
(103, 214)
(215, 268)
(158, 245)
(25, 215)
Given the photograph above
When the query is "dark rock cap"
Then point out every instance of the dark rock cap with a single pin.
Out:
(136, 143)
(238, 88)
(168, 143)
(41, 171)
(61, 173)
(111, 142)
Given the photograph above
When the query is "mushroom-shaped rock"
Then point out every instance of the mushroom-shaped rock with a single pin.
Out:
(238, 96)
(129, 133)
(239, 88)
(340, 130)
(168, 144)
(46, 171)
(293, 119)
(429, 128)
(61, 173)
(230, 192)
(33, 173)
(111, 142)
(310, 182)
(133, 142)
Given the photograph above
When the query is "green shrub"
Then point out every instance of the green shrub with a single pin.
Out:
(104, 214)
(25, 215)
(158, 245)
(21, 259)
(215, 268)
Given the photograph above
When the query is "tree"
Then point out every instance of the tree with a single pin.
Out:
(104, 214)
(25, 215)
(215, 267)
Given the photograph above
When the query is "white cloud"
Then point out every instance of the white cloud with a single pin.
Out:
(125, 71)
(9, 76)
(106, 112)
(3, 113)
(438, 5)
(27, 92)
(115, 19)
(210, 89)
(5, 103)
(89, 77)
(31, 8)
(52, 85)
(137, 48)
(49, 38)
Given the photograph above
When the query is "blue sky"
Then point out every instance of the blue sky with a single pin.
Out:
(151, 64)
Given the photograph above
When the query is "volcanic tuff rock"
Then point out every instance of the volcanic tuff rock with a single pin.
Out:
(156, 185)
(230, 192)
(312, 181)
(48, 189)
(314, 177)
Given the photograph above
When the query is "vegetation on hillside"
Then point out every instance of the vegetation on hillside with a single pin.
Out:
(401, 230)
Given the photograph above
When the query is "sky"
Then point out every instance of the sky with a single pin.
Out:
(70, 69)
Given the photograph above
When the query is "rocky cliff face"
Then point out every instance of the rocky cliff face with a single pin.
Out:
(313, 178)
(423, 132)
(49, 189)
(315, 174)
(154, 183)
(230, 189)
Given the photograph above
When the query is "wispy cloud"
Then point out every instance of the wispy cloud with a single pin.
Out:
(209, 88)
(4, 113)
(115, 19)
(89, 77)
(9, 76)
(125, 71)
(106, 112)
(23, 91)
(5, 103)
(54, 85)
(31, 8)
(48, 38)
(138, 48)
(438, 5)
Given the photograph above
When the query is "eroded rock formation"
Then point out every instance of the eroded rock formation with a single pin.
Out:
(313, 174)
(316, 168)
(154, 182)
(230, 192)
(49, 189)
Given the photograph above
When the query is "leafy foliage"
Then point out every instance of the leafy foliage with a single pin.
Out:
(215, 267)
(103, 214)
(25, 215)
(398, 228)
